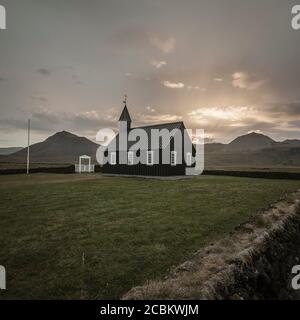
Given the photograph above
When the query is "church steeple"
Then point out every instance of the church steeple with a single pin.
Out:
(125, 116)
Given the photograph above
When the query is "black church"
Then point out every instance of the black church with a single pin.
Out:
(152, 164)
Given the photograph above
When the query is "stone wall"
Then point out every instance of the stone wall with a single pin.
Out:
(253, 262)
(44, 169)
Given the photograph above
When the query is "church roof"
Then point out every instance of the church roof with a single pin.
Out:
(125, 116)
(162, 144)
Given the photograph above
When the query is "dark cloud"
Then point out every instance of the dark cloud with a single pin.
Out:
(77, 79)
(287, 108)
(45, 121)
(40, 99)
(44, 71)
(12, 124)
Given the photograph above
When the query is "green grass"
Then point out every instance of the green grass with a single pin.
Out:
(129, 230)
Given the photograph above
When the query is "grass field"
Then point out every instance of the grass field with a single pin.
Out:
(129, 230)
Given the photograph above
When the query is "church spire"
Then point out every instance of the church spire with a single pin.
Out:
(125, 116)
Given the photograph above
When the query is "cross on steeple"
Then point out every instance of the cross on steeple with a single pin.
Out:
(125, 100)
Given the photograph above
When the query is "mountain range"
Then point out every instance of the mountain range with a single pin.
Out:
(62, 147)
(250, 142)
(253, 149)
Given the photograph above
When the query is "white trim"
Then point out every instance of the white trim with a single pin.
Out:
(188, 159)
(84, 168)
(173, 158)
(150, 163)
(113, 158)
(130, 158)
(2, 278)
(2, 17)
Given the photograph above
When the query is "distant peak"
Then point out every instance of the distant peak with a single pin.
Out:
(254, 133)
(65, 133)
(251, 141)
(61, 134)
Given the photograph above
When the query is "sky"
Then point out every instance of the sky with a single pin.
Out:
(226, 66)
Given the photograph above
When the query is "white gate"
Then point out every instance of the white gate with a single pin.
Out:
(87, 168)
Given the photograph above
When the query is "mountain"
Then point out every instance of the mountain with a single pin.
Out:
(214, 147)
(62, 147)
(7, 151)
(290, 143)
(255, 150)
(250, 142)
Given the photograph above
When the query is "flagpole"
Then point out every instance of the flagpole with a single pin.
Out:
(28, 145)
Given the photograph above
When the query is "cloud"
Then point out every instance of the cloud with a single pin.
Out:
(158, 64)
(38, 98)
(136, 38)
(44, 71)
(223, 122)
(66, 70)
(143, 119)
(77, 79)
(256, 131)
(290, 108)
(173, 85)
(243, 80)
(152, 116)
(218, 79)
(231, 113)
(46, 121)
(45, 115)
(131, 38)
(166, 45)
(196, 88)
(150, 109)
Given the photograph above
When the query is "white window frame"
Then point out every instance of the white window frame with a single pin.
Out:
(150, 153)
(173, 159)
(188, 159)
(130, 158)
(113, 158)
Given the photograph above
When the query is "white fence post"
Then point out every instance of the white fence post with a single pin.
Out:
(2, 278)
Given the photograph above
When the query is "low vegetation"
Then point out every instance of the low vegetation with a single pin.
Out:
(94, 237)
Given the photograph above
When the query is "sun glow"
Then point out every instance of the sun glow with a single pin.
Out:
(219, 113)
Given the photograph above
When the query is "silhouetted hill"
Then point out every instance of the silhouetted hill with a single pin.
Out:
(251, 141)
(62, 147)
(6, 151)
